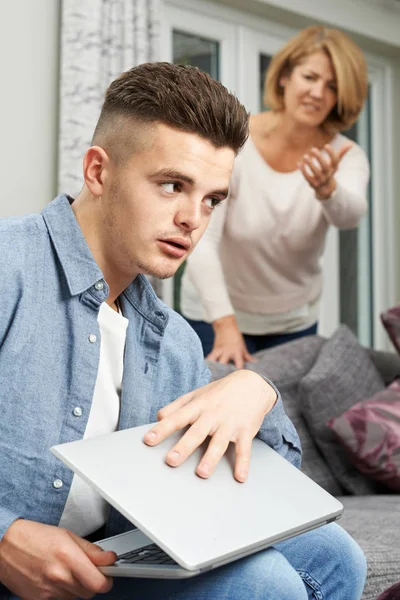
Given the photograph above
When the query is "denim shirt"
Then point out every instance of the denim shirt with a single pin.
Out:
(52, 289)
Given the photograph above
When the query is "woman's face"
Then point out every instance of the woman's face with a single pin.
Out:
(310, 91)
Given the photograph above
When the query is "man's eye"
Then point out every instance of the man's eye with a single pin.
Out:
(212, 202)
(170, 187)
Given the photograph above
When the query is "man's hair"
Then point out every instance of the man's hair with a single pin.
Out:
(180, 96)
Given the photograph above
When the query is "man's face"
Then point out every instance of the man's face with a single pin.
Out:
(156, 206)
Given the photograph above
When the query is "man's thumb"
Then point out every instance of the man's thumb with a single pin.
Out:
(100, 557)
(97, 555)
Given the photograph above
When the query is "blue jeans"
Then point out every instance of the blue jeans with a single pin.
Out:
(323, 564)
(254, 343)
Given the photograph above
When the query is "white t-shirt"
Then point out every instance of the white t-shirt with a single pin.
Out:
(85, 510)
(260, 257)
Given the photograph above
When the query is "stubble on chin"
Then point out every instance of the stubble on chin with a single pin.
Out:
(160, 271)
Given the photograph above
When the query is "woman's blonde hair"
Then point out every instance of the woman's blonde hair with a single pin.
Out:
(349, 65)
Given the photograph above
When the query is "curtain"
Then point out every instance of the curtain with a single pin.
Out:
(99, 40)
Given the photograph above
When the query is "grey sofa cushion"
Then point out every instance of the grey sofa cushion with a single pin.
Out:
(374, 522)
(342, 375)
(387, 363)
(285, 365)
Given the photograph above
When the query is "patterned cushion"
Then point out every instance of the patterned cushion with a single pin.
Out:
(285, 365)
(391, 322)
(370, 432)
(393, 593)
(342, 375)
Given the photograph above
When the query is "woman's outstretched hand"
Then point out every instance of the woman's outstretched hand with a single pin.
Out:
(319, 168)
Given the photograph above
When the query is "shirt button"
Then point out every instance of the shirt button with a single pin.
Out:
(99, 285)
(77, 411)
(57, 483)
(92, 338)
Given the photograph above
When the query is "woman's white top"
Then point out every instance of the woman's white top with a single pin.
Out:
(260, 257)
(85, 510)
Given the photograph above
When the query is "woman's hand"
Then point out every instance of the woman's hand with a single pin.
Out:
(319, 168)
(229, 344)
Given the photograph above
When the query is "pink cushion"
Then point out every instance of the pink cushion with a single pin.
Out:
(370, 432)
(391, 322)
(393, 593)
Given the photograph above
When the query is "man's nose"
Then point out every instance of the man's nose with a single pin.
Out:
(188, 214)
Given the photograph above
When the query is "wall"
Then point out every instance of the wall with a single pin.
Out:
(29, 68)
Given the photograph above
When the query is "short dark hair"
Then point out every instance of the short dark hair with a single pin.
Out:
(180, 96)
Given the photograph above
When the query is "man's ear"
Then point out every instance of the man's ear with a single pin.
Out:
(95, 164)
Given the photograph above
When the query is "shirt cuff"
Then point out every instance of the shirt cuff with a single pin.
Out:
(278, 431)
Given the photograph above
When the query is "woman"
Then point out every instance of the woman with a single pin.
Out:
(255, 278)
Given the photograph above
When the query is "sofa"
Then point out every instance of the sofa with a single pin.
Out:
(318, 378)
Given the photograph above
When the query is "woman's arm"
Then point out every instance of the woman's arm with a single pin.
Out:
(340, 181)
(348, 202)
(204, 269)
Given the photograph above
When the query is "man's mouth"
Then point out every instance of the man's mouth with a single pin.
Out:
(176, 247)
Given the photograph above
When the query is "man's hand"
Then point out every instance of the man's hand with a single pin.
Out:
(320, 167)
(229, 344)
(42, 562)
(229, 410)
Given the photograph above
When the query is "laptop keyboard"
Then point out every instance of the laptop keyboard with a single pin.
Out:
(148, 555)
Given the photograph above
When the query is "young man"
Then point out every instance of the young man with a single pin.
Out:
(86, 347)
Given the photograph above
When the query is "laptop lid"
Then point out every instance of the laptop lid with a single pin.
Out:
(199, 522)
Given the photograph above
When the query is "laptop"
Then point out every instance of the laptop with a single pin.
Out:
(187, 525)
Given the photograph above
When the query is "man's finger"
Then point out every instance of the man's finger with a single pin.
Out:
(170, 408)
(215, 451)
(192, 439)
(85, 572)
(242, 457)
(175, 421)
(96, 554)
(74, 589)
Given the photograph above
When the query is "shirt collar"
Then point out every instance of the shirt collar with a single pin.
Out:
(80, 269)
